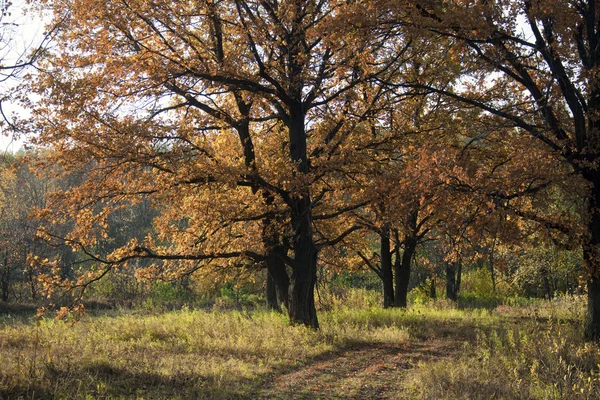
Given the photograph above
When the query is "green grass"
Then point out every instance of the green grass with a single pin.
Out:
(509, 352)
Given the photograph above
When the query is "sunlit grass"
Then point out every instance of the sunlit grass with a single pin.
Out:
(532, 351)
(176, 354)
(530, 362)
(196, 350)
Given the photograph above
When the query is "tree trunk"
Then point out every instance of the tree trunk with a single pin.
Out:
(278, 281)
(592, 323)
(432, 291)
(5, 278)
(386, 268)
(272, 303)
(458, 278)
(451, 292)
(302, 303)
(4, 289)
(591, 253)
(32, 287)
(548, 291)
(402, 272)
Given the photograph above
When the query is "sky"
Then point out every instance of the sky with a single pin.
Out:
(20, 32)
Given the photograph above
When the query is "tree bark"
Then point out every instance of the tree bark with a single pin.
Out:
(278, 281)
(386, 268)
(33, 291)
(451, 292)
(272, 303)
(402, 267)
(458, 277)
(302, 303)
(402, 272)
(548, 289)
(592, 323)
(591, 253)
(5, 278)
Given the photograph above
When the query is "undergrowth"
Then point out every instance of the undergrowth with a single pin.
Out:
(533, 352)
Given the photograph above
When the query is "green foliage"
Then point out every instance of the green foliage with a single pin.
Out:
(478, 282)
(479, 300)
(348, 298)
(534, 350)
(243, 296)
(539, 271)
(169, 291)
(477, 290)
(546, 272)
(359, 290)
(358, 280)
(422, 294)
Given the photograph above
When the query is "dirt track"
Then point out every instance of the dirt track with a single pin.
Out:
(361, 371)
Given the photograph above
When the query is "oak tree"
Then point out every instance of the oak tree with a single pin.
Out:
(232, 116)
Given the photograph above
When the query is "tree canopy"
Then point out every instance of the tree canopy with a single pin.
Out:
(271, 132)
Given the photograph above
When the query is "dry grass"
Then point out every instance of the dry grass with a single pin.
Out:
(533, 352)
(431, 352)
(181, 354)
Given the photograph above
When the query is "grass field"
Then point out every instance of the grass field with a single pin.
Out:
(433, 352)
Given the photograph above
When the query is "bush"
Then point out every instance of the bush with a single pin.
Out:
(476, 300)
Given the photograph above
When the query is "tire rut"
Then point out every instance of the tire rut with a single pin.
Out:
(361, 371)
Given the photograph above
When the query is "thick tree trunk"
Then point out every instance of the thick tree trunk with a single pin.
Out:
(591, 254)
(278, 281)
(402, 272)
(302, 303)
(592, 323)
(386, 268)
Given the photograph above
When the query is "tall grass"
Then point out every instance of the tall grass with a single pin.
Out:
(179, 354)
(532, 351)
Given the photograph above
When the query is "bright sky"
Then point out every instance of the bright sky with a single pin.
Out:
(20, 33)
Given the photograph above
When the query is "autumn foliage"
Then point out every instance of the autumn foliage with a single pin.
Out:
(304, 136)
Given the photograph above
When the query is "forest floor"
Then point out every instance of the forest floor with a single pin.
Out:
(436, 351)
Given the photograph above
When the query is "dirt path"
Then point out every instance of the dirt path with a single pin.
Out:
(363, 371)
